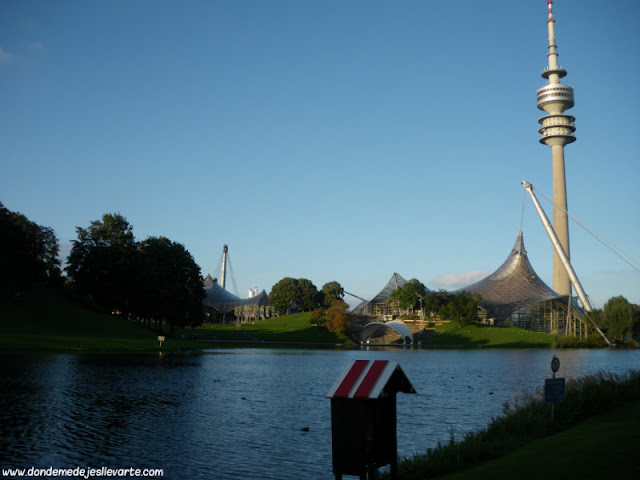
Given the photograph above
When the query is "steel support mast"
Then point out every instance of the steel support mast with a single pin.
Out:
(223, 273)
(563, 258)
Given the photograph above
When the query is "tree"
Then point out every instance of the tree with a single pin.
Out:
(285, 296)
(28, 254)
(337, 320)
(290, 295)
(102, 262)
(433, 301)
(332, 291)
(318, 317)
(310, 297)
(619, 318)
(408, 296)
(461, 307)
(597, 316)
(154, 279)
(173, 290)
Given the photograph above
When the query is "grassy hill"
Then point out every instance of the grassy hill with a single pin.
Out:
(46, 321)
(295, 328)
(485, 336)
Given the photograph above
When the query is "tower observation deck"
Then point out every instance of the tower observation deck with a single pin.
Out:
(557, 130)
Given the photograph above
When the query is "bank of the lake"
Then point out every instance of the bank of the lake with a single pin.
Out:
(594, 430)
(603, 446)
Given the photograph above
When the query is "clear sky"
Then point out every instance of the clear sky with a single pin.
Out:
(330, 140)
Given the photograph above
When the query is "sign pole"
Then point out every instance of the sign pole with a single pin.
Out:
(554, 390)
(553, 403)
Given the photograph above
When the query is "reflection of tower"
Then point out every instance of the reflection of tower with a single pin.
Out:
(557, 131)
(223, 273)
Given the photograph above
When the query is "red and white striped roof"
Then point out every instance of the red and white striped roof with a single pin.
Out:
(368, 379)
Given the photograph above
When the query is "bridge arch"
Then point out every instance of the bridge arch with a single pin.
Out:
(397, 326)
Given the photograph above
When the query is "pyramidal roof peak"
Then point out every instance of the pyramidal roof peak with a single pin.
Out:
(513, 285)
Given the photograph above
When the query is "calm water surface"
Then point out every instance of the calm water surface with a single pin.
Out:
(239, 414)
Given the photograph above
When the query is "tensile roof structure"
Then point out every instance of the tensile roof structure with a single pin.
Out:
(223, 301)
(513, 286)
(380, 303)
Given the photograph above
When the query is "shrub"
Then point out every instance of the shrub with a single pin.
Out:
(318, 318)
(337, 321)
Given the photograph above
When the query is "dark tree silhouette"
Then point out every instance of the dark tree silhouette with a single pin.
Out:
(28, 254)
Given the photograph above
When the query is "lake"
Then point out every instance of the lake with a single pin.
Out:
(240, 413)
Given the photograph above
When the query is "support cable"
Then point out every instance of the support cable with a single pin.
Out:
(524, 196)
(566, 325)
(218, 270)
(624, 256)
(359, 298)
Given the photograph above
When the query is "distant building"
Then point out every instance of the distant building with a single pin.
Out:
(220, 303)
(382, 304)
(515, 296)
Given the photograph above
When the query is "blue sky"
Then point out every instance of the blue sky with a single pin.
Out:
(329, 140)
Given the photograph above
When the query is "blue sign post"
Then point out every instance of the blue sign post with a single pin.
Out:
(554, 387)
(554, 390)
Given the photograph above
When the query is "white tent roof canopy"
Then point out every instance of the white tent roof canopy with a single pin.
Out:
(397, 326)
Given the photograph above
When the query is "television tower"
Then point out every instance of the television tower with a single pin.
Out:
(557, 131)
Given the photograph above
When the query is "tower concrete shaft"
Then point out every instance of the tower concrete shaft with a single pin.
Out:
(556, 130)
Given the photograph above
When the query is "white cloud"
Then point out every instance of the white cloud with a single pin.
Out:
(452, 281)
(5, 57)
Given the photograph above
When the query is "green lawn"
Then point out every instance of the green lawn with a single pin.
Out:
(485, 336)
(289, 328)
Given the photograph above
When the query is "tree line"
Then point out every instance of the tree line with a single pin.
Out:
(459, 307)
(292, 295)
(154, 280)
(157, 280)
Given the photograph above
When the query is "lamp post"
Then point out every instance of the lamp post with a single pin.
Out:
(421, 312)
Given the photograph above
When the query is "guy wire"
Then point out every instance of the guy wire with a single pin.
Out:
(629, 259)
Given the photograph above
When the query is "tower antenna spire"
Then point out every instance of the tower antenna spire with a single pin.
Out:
(553, 53)
(556, 130)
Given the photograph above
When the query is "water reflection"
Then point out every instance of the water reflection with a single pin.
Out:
(246, 413)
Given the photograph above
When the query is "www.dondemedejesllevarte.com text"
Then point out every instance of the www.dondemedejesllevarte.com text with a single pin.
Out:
(82, 472)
